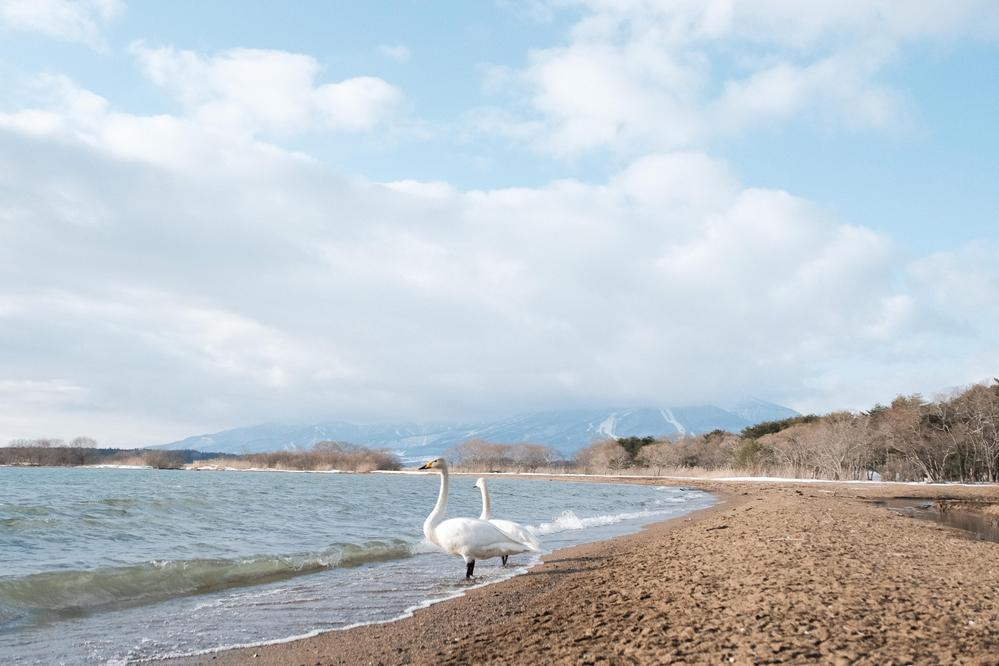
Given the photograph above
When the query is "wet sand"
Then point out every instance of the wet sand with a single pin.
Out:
(786, 573)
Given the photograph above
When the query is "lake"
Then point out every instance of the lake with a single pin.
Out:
(115, 566)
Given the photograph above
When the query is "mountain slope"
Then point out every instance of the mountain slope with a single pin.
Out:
(565, 430)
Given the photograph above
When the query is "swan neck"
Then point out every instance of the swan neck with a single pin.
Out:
(486, 513)
(438, 513)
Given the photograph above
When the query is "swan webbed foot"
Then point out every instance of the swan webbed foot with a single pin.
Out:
(504, 558)
(469, 568)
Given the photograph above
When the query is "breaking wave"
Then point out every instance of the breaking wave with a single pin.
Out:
(75, 592)
(568, 520)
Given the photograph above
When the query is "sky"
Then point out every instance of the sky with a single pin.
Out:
(220, 214)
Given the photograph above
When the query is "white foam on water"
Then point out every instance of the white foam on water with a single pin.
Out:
(158, 580)
(422, 547)
(408, 612)
(277, 602)
(568, 520)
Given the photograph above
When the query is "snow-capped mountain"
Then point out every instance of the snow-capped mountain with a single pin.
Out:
(565, 430)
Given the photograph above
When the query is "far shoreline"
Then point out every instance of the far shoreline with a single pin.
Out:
(670, 479)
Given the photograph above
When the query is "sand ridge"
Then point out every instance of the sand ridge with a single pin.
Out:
(772, 574)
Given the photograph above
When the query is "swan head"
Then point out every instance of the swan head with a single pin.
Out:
(480, 483)
(436, 463)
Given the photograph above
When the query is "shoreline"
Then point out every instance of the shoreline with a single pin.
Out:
(239, 653)
(670, 479)
(289, 650)
(571, 476)
(768, 573)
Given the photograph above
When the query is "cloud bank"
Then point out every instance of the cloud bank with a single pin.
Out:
(634, 74)
(213, 279)
(80, 21)
(179, 272)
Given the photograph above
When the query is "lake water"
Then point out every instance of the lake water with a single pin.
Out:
(975, 524)
(117, 566)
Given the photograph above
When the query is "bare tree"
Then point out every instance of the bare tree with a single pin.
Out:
(910, 428)
(840, 446)
(531, 457)
(480, 455)
(792, 450)
(977, 412)
(605, 454)
(659, 456)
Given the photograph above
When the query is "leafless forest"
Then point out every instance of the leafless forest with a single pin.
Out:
(323, 456)
(953, 438)
(83, 451)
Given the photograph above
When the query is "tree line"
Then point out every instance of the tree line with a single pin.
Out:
(952, 438)
(477, 455)
(323, 456)
(80, 451)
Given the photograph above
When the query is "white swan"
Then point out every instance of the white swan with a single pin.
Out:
(471, 538)
(513, 530)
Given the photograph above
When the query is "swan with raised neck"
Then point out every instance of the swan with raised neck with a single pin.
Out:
(471, 538)
(513, 530)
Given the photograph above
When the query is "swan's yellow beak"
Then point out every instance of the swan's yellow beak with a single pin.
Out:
(427, 465)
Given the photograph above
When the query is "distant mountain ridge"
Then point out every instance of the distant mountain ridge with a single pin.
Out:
(565, 430)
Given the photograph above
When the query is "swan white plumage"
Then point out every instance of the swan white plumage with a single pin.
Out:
(515, 531)
(471, 538)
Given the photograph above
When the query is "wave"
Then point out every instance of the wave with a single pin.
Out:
(568, 520)
(75, 592)
(407, 612)
(26, 523)
(27, 509)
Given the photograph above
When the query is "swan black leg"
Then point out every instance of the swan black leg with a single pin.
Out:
(469, 569)
(505, 558)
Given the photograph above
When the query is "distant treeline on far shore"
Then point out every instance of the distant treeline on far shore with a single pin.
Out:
(84, 451)
(323, 456)
(952, 438)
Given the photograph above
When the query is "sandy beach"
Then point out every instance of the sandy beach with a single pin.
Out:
(771, 574)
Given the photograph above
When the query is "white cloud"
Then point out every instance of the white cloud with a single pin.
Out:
(53, 392)
(397, 52)
(58, 409)
(71, 113)
(222, 281)
(962, 285)
(636, 74)
(265, 91)
(840, 87)
(81, 21)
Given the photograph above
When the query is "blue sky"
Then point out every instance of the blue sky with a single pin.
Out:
(940, 162)
(213, 214)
